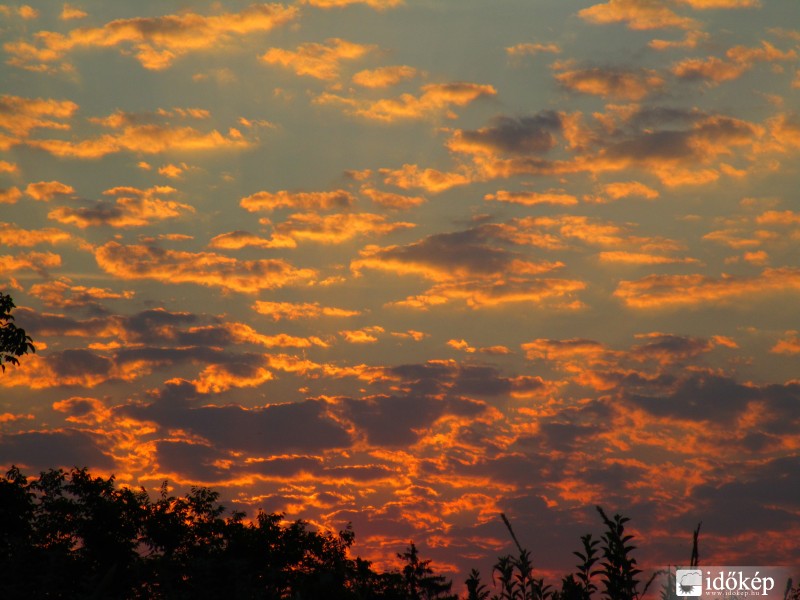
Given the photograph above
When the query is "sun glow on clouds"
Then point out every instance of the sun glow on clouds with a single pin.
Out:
(378, 261)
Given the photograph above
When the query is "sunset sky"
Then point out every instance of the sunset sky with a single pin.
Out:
(410, 264)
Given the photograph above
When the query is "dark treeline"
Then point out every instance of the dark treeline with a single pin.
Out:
(74, 536)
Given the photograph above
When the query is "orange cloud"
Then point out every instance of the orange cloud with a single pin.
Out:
(790, 344)
(461, 345)
(294, 311)
(61, 292)
(775, 217)
(532, 198)
(24, 12)
(559, 294)
(20, 115)
(269, 201)
(236, 240)
(155, 41)
(86, 411)
(12, 235)
(531, 49)
(567, 352)
(317, 60)
(8, 167)
(47, 190)
(636, 14)
(384, 76)
(711, 4)
(739, 60)
(10, 195)
(216, 379)
(431, 180)
(378, 4)
(69, 12)
(667, 291)
(610, 83)
(392, 200)
(690, 40)
(29, 261)
(626, 189)
(642, 258)
(435, 100)
(336, 228)
(132, 208)
(151, 138)
(367, 335)
(202, 268)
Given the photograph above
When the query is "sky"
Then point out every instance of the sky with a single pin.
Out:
(411, 264)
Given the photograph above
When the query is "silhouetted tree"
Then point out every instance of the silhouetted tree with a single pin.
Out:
(421, 582)
(71, 535)
(14, 342)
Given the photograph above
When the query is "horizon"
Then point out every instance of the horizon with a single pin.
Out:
(414, 264)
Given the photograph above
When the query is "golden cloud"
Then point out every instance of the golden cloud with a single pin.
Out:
(610, 83)
(61, 292)
(435, 100)
(144, 139)
(47, 190)
(712, 4)
(336, 228)
(392, 200)
(155, 41)
(12, 235)
(202, 268)
(10, 195)
(533, 198)
(384, 76)
(642, 258)
(530, 49)
(668, 291)
(636, 14)
(20, 115)
(236, 240)
(8, 167)
(555, 293)
(790, 344)
(269, 201)
(29, 261)
(431, 180)
(216, 379)
(24, 12)
(378, 4)
(690, 40)
(739, 60)
(367, 335)
(775, 217)
(626, 189)
(297, 311)
(317, 60)
(69, 13)
(132, 208)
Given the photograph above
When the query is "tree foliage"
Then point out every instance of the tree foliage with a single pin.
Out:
(71, 535)
(14, 342)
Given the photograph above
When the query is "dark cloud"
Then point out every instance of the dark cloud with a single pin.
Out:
(72, 364)
(279, 428)
(762, 499)
(401, 420)
(42, 450)
(523, 135)
(190, 460)
(720, 399)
